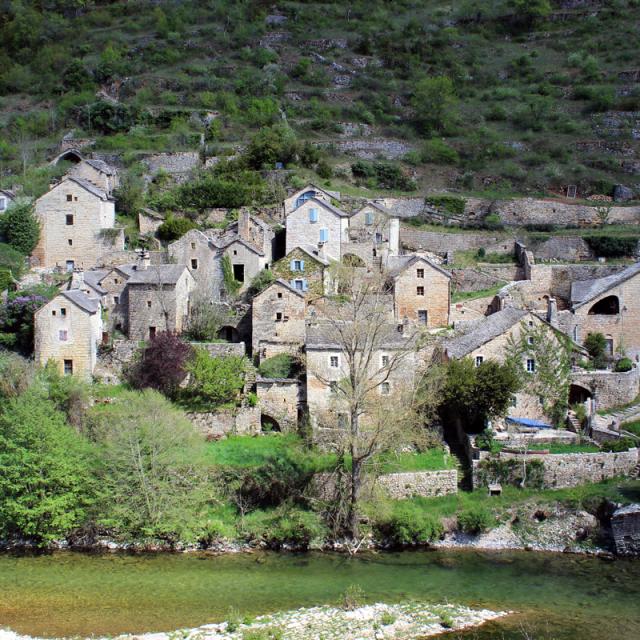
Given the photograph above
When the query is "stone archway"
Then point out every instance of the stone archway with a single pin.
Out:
(268, 424)
(609, 306)
(229, 333)
(352, 260)
(579, 393)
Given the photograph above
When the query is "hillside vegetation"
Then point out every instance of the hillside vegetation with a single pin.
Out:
(501, 97)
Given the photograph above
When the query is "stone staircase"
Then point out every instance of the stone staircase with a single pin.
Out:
(573, 424)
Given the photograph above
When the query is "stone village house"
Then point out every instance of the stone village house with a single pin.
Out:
(374, 235)
(278, 321)
(77, 226)
(300, 196)
(97, 172)
(306, 270)
(421, 291)
(68, 330)
(318, 224)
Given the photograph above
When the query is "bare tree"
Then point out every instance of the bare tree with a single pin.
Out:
(373, 400)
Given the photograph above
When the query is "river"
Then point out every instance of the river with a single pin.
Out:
(556, 596)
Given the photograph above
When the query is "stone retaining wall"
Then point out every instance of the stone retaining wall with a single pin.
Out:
(416, 239)
(610, 388)
(215, 424)
(222, 349)
(573, 469)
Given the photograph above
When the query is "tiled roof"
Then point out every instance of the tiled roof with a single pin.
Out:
(380, 207)
(102, 166)
(323, 335)
(94, 278)
(586, 290)
(398, 264)
(82, 300)
(90, 187)
(312, 252)
(284, 283)
(495, 325)
(157, 274)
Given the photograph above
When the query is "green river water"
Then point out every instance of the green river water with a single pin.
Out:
(556, 596)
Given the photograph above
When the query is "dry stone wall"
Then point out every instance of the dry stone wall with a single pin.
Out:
(611, 389)
(437, 242)
(215, 424)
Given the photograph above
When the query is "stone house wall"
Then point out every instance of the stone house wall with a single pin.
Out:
(278, 399)
(610, 388)
(435, 300)
(415, 239)
(116, 301)
(87, 172)
(278, 317)
(253, 262)
(164, 307)
(563, 248)
(119, 258)
(300, 231)
(84, 331)
(148, 224)
(204, 261)
(625, 526)
(315, 273)
(290, 203)
(573, 469)
(80, 241)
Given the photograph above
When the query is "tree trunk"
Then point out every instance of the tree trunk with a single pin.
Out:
(356, 472)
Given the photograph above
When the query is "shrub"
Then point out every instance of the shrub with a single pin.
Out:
(270, 145)
(387, 175)
(284, 525)
(448, 204)
(20, 228)
(205, 320)
(231, 285)
(16, 320)
(12, 265)
(214, 380)
(617, 446)
(596, 345)
(623, 365)
(353, 597)
(409, 525)
(511, 471)
(487, 442)
(439, 152)
(161, 365)
(613, 246)
(173, 228)
(260, 282)
(492, 222)
(476, 520)
(279, 366)
(435, 103)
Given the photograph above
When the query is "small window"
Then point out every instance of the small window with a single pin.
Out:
(297, 265)
(69, 219)
(152, 333)
(194, 263)
(69, 197)
(279, 294)
(420, 273)
(68, 367)
(235, 252)
(384, 361)
(530, 340)
(420, 291)
(53, 312)
(334, 362)
(531, 365)
(148, 304)
(385, 388)
(278, 317)
(63, 334)
(313, 215)
(298, 285)
(193, 245)
(116, 299)
(63, 311)
(324, 235)
(368, 218)
(479, 360)
(531, 323)
(70, 242)
(378, 237)
(116, 281)
(70, 264)
(422, 316)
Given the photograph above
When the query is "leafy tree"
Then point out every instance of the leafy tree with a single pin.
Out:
(173, 228)
(206, 319)
(435, 103)
(129, 195)
(16, 320)
(20, 228)
(151, 472)
(278, 366)
(162, 364)
(473, 395)
(16, 374)
(45, 485)
(12, 265)
(214, 380)
(596, 345)
(525, 13)
(271, 145)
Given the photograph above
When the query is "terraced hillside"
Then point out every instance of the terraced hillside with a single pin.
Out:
(505, 97)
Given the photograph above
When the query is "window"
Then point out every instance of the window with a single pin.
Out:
(334, 362)
(420, 291)
(324, 235)
(307, 195)
(235, 252)
(378, 237)
(193, 245)
(531, 365)
(422, 316)
(313, 215)
(152, 333)
(3, 204)
(116, 281)
(68, 367)
(385, 388)
(70, 265)
(70, 242)
(116, 299)
(63, 311)
(368, 218)
(194, 263)
(69, 197)
(69, 219)
(531, 323)
(279, 317)
(63, 334)
(530, 340)
(300, 285)
(384, 361)
(148, 304)
(479, 360)
(53, 312)
(420, 273)
(297, 265)
(279, 294)
(238, 272)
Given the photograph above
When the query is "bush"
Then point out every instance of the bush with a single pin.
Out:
(12, 265)
(173, 228)
(448, 204)
(439, 152)
(409, 525)
(386, 175)
(475, 520)
(486, 442)
(623, 365)
(492, 222)
(20, 228)
(613, 246)
(284, 525)
(214, 380)
(596, 345)
(260, 282)
(617, 446)
(270, 145)
(279, 366)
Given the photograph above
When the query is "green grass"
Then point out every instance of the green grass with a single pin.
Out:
(432, 460)
(565, 448)
(461, 296)
(633, 427)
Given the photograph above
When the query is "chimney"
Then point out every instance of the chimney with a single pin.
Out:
(552, 312)
(321, 251)
(144, 260)
(243, 225)
(394, 236)
(77, 279)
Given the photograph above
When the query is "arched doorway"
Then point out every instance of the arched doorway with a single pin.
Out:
(269, 424)
(609, 306)
(228, 333)
(579, 393)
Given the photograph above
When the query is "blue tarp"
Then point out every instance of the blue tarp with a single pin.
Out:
(526, 422)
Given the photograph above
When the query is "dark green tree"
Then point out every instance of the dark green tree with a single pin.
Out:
(596, 345)
(435, 104)
(20, 228)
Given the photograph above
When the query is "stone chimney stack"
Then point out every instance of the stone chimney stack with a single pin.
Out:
(144, 260)
(394, 236)
(552, 312)
(77, 279)
(244, 225)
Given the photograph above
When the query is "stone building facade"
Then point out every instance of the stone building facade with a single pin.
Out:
(77, 226)
(421, 291)
(278, 399)
(302, 195)
(98, 173)
(306, 270)
(377, 228)
(158, 300)
(278, 321)
(202, 256)
(68, 330)
(317, 224)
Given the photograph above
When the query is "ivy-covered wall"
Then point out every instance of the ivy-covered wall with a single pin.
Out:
(312, 272)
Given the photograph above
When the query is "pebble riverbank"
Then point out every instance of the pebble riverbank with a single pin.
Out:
(407, 621)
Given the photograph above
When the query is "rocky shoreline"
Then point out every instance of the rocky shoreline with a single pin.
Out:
(407, 621)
